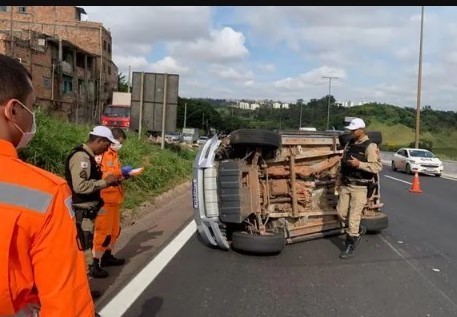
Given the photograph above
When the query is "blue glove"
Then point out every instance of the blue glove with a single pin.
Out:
(126, 170)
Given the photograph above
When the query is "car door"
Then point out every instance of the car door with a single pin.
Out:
(405, 158)
(398, 159)
(402, 160)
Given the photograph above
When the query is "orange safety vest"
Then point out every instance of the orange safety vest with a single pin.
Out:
(110, 164)
(40, 262)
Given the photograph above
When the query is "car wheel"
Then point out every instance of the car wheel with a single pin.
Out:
(394, 168)
(258, 244)
(438, 175)
(375, 223)
(408, 169)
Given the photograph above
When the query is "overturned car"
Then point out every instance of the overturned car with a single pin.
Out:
(258, 190)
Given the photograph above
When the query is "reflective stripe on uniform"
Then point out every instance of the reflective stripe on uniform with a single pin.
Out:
(24, 197)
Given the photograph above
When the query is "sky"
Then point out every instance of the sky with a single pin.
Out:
(282, 53)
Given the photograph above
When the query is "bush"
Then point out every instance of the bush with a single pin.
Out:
(164, 169)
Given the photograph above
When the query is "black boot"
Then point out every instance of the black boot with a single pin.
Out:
(362, 231)
(97, 315)
(110, 260)
(95, 271)
(351, 243)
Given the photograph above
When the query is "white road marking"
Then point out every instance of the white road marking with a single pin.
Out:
(130, 292)
(398, 180)
(417, 270)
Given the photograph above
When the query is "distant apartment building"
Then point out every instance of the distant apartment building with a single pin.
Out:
(280, 105)
(70, 60)
(350, 103)
(247, 105)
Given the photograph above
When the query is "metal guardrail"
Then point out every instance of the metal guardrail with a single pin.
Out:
(450, 167)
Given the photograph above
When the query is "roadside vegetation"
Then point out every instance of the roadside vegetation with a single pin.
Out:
(438, 129)
(164, 169)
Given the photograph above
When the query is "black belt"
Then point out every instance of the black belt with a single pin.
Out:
(357, 182)
(85, 213)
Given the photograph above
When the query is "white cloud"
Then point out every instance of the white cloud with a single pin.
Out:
(168, 65)
(269, 68)
(281, 53)
(222, 45)
(312, 78)
(231, 73)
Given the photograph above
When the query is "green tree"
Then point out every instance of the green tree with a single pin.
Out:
(122, 84)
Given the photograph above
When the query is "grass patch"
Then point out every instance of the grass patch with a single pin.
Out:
(164, 169)
(397, 136)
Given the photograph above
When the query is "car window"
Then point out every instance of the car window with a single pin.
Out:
(421, 153)
(402, 152)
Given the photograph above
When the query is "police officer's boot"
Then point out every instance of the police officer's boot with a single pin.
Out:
(108, 259)
(95, 271)
(350, 246)
(362, 231)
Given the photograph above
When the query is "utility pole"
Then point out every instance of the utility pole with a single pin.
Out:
(328, 97)
(419, 83)
(128, 82)
(185, 114)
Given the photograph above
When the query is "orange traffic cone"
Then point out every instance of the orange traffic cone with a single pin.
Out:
(415, 188)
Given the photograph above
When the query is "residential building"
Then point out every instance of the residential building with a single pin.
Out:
(80, 55)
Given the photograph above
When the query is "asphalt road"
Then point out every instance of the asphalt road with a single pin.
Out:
(410, 269)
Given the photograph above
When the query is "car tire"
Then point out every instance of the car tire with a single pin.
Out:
(408, 169)
(258, 244)
(438, 175)
(375, 136)
(376, 223)
(257, 137)
(393, 166)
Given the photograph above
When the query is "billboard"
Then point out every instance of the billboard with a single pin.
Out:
(151, 94)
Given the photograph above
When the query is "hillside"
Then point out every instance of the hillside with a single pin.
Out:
(444, 144)
(438, 129)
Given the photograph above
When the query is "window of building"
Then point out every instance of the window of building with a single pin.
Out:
(67, 84)
(104, 67)
(109, 48)
(46, 82)
(104, 45)
(22, 9)
(109, 69)
(3, 8)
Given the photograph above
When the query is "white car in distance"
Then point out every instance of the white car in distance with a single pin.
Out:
(411, 160)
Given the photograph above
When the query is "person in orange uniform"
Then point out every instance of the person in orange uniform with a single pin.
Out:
(108, 225)
(42, 270)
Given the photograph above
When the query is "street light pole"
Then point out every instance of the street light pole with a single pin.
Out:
(328, 97)
(419, 83)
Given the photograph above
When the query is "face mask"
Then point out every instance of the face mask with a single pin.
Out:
(116, 146)
(26, 136)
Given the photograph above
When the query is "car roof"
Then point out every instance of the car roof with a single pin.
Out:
(413, 149)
